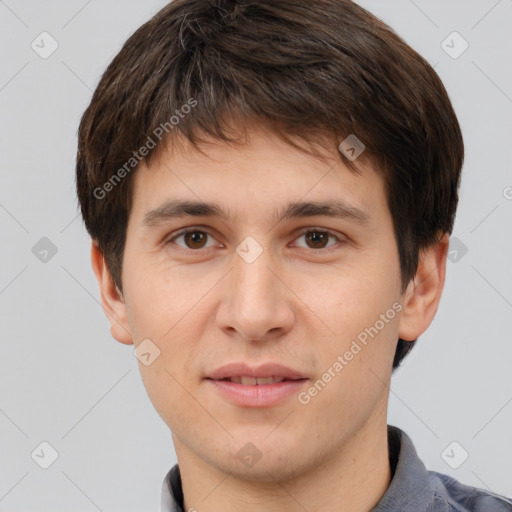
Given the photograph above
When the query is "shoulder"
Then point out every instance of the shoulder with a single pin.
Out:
(458, 497)
(413, 487)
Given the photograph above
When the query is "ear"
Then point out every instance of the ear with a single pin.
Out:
(112, 299)
(423, 293)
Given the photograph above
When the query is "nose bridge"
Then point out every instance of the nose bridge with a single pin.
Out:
(257, 301)
(253, 278)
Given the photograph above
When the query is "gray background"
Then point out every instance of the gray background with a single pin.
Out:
(65, 381)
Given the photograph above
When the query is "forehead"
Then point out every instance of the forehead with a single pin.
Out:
(266, 176)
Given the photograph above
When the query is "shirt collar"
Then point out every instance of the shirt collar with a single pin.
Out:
(172, 492)
(412, 487)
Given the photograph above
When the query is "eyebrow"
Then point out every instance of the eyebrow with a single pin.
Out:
(174, 208)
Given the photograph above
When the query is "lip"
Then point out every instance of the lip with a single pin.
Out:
(258, 395)
(263, 370)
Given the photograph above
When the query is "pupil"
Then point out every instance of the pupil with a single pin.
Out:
(317, 237)
(194, 237)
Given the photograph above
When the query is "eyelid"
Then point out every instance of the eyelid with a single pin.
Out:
(184, 231)
(341, 239)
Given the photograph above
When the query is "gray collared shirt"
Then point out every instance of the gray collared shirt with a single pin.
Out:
(412, 487)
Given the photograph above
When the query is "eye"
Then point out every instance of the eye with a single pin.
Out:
(194, 238)
(317, 239)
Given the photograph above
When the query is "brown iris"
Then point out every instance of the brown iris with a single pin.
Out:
(195, 237)
(317, 237)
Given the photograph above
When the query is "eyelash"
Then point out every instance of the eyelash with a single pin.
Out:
(328, 249)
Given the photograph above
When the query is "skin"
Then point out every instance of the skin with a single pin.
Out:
(206, 308)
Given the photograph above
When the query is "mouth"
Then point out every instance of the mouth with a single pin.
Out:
(246, 380)
(266, 385)
(267, 373)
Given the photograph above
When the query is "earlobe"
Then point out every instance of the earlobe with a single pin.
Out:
(112, 300)
(423, 293)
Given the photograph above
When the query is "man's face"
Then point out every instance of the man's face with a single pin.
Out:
(290, 295)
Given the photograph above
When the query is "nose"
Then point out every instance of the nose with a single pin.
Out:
(257, 301)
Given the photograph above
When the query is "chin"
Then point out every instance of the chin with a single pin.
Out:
(266, 470)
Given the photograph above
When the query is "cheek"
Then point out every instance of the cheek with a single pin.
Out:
(160, 296)
(362, 309)
(162, 310)
(357, 363)
(354, 297)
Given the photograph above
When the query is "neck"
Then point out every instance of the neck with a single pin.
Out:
(351, 480)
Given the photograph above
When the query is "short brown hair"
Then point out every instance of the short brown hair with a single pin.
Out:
(306, 69)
